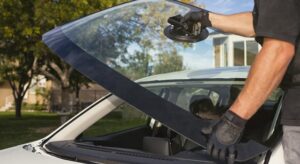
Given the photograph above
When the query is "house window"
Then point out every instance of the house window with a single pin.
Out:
(252, 50)
(239, 54)
(217, 55)
(221, 52)
(244, 52)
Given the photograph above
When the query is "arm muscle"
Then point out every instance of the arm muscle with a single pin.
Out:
(239, 24)
(265, 75)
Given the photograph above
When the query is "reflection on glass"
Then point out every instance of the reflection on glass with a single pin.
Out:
(130, 39)
(239, 57)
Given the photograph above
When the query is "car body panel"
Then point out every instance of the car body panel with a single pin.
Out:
(214, 74)
(88, 117)
(18, 154)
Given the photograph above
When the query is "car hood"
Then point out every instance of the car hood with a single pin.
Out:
(18, 154)
(99, 46)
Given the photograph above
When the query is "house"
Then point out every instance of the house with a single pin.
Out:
(233, 50)
(31, 97)
(6, 97)
(85, 97)
(45, 92)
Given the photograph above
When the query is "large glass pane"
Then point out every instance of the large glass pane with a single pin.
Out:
(130, 40)
(239, 57)
(252, 50)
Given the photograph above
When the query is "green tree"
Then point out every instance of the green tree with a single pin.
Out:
(149, 59)
(139, 62)
(19, 35)
(22, 52)
(49, 14)
(77, 81)
(168, 62)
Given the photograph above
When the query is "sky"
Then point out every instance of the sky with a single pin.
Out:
(227, 6)
(200, 56)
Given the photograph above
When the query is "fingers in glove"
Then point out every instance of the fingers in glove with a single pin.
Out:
(215, 153)
(208, 130)
(185, 18)
(222, 155)
(197, 28)
(231, 155)
(210, 148)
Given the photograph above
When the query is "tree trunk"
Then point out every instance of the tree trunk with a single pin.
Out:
(77, 99)
(65, 99)
(18, 107)
(66, 109)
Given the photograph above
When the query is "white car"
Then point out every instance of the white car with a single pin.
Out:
(115, 47)
(151, 141)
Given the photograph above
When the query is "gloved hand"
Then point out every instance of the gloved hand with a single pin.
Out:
(224, 135)
(195, 21)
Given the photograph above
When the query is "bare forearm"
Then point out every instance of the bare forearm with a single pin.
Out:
(265, 75)
(239, 24)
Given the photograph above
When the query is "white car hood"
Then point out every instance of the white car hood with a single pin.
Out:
(17, 155)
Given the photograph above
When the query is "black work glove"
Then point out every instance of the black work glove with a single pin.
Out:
(224, 135)
(196, 21)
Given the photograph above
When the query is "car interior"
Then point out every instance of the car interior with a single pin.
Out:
(158, 141)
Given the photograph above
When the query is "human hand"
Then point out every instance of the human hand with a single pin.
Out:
(224, 135)
(195, 17)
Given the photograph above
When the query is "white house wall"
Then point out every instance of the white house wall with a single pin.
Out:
(230, 42)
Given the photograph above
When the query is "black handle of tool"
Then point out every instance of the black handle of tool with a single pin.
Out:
(176, 21)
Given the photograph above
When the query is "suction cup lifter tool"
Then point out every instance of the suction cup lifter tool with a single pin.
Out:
(185, 31)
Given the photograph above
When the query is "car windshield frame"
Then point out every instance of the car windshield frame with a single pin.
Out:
(139, 97)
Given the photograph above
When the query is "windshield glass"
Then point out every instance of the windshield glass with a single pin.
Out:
(130, 40)
(117, 46)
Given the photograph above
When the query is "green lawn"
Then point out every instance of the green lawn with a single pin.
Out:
(32, 126)
(35, 125)
(106, 126)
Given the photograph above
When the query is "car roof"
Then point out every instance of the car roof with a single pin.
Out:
(212, 73)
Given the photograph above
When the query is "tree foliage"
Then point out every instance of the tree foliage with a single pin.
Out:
(19, 34)
(168, 62)
(22, 52)
(23, 23)
(131, 40)
(49, 14)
